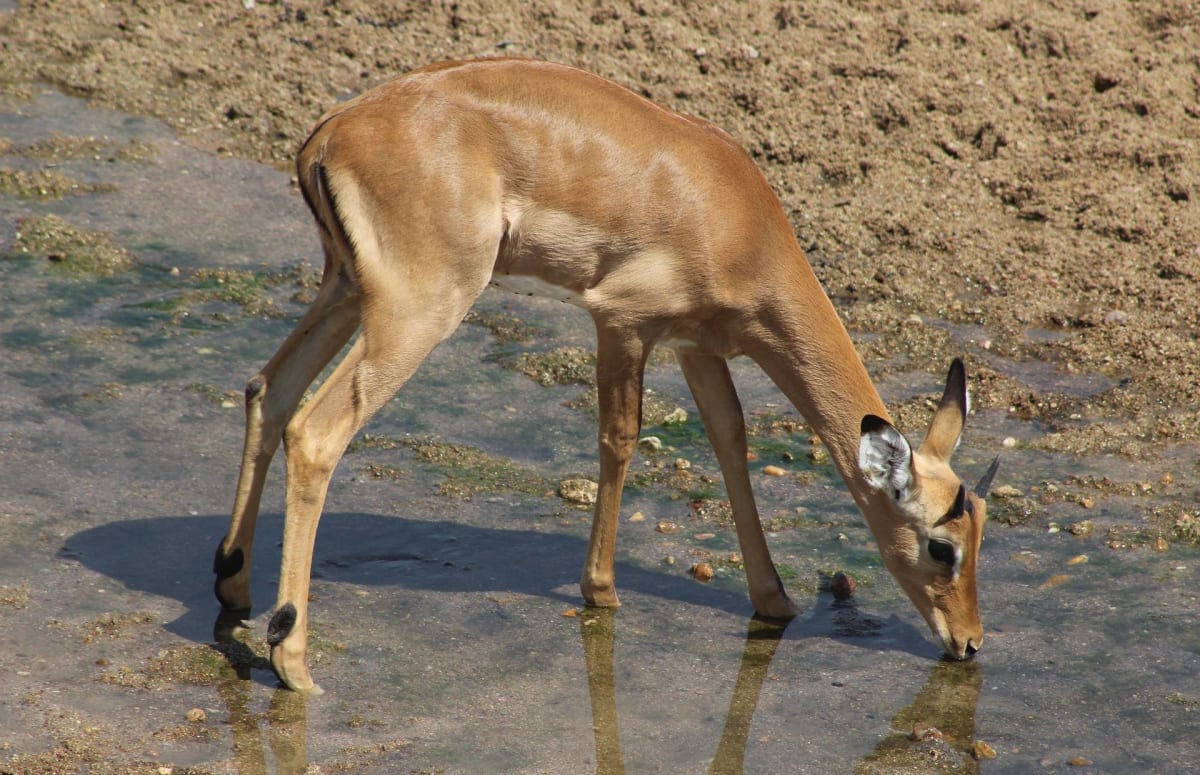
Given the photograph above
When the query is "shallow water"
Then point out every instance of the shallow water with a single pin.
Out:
(438, 627)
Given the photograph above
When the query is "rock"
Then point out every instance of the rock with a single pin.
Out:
(682, 464)
(774, 471)
(842, 586)
(981, 750)
(196, 715)
(665, 526)
(678, 416)
(637, 516)
(702, 572)
(580, 491)
(650, 444)
(1005, 491)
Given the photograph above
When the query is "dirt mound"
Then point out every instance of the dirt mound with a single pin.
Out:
(1013, 181)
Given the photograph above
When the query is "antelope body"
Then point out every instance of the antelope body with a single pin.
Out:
(543, 178)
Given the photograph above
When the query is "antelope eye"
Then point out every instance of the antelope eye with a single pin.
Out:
(941, 551)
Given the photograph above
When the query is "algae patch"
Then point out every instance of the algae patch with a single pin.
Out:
(468, 470)
(70, 250)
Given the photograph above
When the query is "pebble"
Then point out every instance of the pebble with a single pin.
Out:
(1083, 528)
(842, 586)
(196, 715)
(581, 491)
(650, 443)
(981, 750)
(678, 416)
(1006, 491)
(682, 464)
(637, 516)
(665, 526)
(702, 572)
(774, 471)
(705, 536)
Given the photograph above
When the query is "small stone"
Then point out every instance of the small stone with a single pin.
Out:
(842, 586)
(1006, 491)
(682, 464)
(581, 491)
(1054, 581)
(196, 715)
(677, 416)
(571, 613)
(637, 516)
(774, 471)
(702, 572)
(913, 320)
(1087, 503)
(925, 733)
(1080, 761)
(650, 444)
(1160, 544)
(734, 558)
(981, 750)
(818, 455)
(669, 559)
(665, 526)
(1079, 559)
(1168, 478)
(1081, 529)
(1009, 442)
(705, 536)
(751, 457)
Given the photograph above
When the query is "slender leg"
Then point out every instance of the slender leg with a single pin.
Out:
(620, 361)
(712, 386)
(271, 397)
(380, 362)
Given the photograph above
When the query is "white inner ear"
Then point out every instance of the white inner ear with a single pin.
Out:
(885, 459)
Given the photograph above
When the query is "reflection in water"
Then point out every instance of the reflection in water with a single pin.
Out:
(597, 626)
(286, 716)
(937, 729)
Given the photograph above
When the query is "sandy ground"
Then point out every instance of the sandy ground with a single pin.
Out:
(1009, 181)
(1012, 183)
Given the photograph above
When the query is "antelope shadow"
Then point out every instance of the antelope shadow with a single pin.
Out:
(172, 557)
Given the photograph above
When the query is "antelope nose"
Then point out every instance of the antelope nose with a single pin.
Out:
(972, 649)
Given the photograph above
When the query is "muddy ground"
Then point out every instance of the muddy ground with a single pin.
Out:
(1014, 183)
(1009, 181)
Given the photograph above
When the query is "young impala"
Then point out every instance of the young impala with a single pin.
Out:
(545, 179)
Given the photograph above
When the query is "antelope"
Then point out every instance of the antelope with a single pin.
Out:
(545, 179)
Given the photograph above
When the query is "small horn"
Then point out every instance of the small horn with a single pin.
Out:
(985, 483)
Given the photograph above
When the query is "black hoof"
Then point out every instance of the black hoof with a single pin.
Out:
(281, 624)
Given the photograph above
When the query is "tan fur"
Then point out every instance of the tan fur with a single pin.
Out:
(429, 187)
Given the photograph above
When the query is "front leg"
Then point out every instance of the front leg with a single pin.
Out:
(620, 363)
(712, 386)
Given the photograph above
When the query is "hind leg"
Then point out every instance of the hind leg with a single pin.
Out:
(271, 397)
(384, 358)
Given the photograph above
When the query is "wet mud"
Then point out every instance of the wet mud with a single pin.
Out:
(148, 268)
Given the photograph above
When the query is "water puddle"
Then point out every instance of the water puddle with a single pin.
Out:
(446, 626)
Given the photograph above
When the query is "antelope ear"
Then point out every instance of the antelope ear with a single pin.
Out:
(946, 427)
(885, 458)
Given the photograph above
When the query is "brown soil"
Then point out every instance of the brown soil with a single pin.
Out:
(1010, 180)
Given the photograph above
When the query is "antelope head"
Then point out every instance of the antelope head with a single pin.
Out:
(934, 525)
